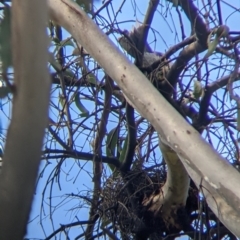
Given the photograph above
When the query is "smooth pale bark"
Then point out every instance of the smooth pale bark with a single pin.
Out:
(29, 116)
(218, 180)
(173, 194)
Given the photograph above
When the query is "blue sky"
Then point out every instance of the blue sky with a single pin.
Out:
(79, 180)
(164, 31)
(83, 182)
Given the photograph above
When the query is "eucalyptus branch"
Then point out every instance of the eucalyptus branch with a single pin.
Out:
(70, 225)
(233, 76)
(174, 131)
(135, 42)
(169, 53)
(66, 111)
(193, 49)
(209, 90)
(59, 140)
(97, 166)
(184, 57)
(198, 26)
(132, 134)
(173, 195)
(110, 234)
(80, 155)
(152, 7)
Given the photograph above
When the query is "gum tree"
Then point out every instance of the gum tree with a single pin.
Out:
(182, 101)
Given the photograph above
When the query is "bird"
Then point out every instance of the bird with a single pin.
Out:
(130, 43)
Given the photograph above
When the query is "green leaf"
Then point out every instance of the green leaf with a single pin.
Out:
(112, 139)
(58, 67)
(5, 39)
(80, 106)
(91, 78)
(111, 144)
(211, 45)
(86, 5)
(124, 150)
(221, 32)
(105, 221)
(63, 43)
(197, 89)
(67, 42)
(56, 40)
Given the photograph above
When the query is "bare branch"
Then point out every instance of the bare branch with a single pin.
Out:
(81, 155)
(97, 165)
(204, 105)
(193, 49)
(63, 227)
(172, 128)
(152, 7)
